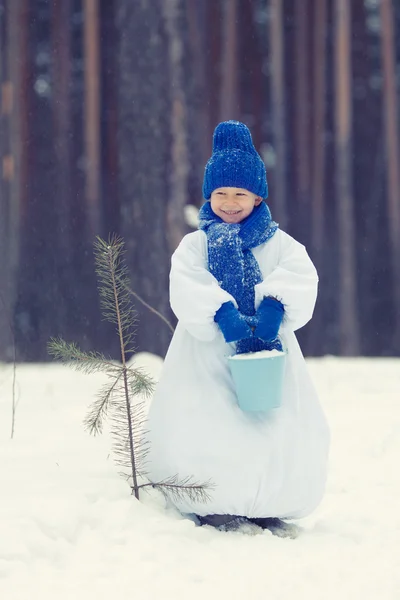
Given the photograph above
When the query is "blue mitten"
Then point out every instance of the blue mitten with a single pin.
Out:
(232, 324)
(270, 315)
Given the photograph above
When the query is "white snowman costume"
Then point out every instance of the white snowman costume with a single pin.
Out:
(270, 464)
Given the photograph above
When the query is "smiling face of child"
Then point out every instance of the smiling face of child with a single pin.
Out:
(232, 204)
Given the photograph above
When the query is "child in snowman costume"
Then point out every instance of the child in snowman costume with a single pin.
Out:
(239, 284)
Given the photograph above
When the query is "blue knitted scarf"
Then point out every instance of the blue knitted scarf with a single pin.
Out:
(232, 262)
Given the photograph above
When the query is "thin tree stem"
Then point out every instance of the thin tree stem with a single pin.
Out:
(14, 383)
(14, 403)
(124, 368)
(153, 310)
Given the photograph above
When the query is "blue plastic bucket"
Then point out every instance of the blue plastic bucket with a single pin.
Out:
(258, 379)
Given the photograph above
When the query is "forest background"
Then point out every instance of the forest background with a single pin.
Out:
(106, 121)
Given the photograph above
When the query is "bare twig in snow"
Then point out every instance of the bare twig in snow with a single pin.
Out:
(14, 402)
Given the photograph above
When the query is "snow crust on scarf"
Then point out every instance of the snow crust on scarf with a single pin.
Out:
(233, 264)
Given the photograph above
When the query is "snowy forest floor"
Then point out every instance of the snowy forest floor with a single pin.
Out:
(70, 530)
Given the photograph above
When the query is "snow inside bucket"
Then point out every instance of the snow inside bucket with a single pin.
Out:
(258, 379)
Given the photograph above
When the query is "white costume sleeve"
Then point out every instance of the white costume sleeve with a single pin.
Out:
(294, 282)
(195, 295)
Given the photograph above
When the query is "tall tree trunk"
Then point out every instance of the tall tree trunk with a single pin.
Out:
(250, 71)
(302, 102)
(6, 176)
(348, 317)
(15, 86)
(278, 110)
(214, 17)
(229, 108)
(369, 178)
(199, 114)
(61, 60)
(179, 149)
(390, 112)
(83, 298)
(92, 115)
(317, 174)
(39, 307)
(61, 76)
(109, 119)
(318, 140)
(144, 160)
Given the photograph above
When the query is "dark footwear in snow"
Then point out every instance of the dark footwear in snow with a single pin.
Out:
(278, 527)
(229, 523)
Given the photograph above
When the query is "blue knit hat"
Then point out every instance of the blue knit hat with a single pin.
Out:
(234, 161)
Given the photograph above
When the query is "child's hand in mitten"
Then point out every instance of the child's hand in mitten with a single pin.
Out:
(252, 321)
(232, 323)
(270, 315)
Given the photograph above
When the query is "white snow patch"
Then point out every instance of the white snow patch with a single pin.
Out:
(191, 213)
(257, 355)
(69, 528)
(150, 363)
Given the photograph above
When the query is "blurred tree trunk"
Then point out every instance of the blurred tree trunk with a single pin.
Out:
(39, 310)
(61, 15)
(176, 201)
(278, 111)
(229, 107)
(348, 315)
(145, 160)
(61, 75)
(250, 72)
(6, 177)
(302, 102)
(390, 112)
(369, 182)
(318, 132)
(82, 297)
(14, 94)
(199, 114)
(109, 120)
(317, 171)
(92, 114)
(213, 49)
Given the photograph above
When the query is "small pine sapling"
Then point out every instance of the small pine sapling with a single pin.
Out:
(118, 399)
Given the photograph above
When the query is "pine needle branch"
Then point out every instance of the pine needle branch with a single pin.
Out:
(180, 489)
(140, 383)
(88, 362)
(113, 281)
(122, 435)
(93, 422)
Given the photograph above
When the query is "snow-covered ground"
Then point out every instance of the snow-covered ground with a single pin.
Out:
(69, 528)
